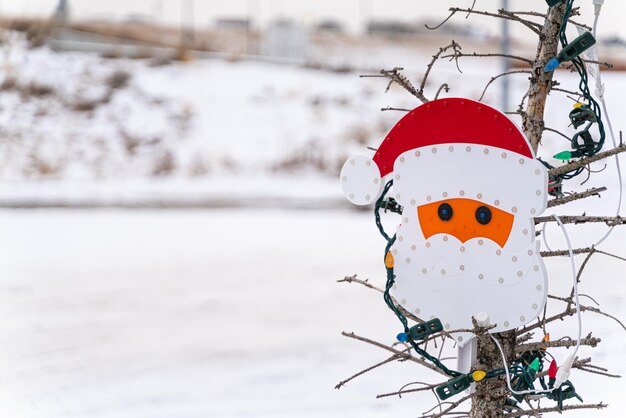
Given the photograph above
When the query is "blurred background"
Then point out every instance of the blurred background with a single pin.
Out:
(172, 223)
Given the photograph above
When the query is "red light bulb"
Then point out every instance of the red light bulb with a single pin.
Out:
(552, 370)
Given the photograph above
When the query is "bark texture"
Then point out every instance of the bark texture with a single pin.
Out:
(540, 82)
(491, 394)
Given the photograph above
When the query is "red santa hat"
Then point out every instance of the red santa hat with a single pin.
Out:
(452, 147)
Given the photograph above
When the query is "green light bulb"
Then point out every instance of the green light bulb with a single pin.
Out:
(563, 155)
(535, 365)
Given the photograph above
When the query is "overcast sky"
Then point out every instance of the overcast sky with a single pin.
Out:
(351, 12)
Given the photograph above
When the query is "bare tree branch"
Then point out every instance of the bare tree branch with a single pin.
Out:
(494, 78)
(395, 76)
(353, 279)
(586, 161)
(576, 196)
(384, 109)
(402, 390)
(545, 128)
(565, 253)
(491, 54)
(455, 47)
(403, 356)
(502, 14)
(609, 220)
(522, 348)
(394, 357)
(543, 15)
(444, 87)
(534, 412)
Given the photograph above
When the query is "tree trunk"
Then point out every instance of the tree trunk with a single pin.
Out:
(491, 394)
(540, 82)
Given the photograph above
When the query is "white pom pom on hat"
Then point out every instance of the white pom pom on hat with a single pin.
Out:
(360, 180)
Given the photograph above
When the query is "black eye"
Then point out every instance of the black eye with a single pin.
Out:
(445, 212)
(483, 215)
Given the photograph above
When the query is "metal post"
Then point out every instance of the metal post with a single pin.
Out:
(505, 44)
(187, 23)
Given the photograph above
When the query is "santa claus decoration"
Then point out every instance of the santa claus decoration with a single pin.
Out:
(469, 187)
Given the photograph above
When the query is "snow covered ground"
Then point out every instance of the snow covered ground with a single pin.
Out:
(229, 312)
(224, 313)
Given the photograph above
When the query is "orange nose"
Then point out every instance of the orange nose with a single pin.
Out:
(465, 219)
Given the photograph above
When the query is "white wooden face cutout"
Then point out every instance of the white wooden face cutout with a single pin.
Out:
(442, 277)
(473, 158)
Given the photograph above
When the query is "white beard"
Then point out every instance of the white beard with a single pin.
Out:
(444, 278)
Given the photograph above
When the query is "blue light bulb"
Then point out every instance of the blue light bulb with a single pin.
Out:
(551, 65)
(403, 337)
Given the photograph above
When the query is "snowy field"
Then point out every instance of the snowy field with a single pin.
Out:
(79, 128)
(225, 313)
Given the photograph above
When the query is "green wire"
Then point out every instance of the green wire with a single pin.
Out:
(517, 369)
(390, 282)
(583, 86)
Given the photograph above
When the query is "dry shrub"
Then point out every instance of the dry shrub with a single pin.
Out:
(31, 89)
(40, 167)
(164, 164)
(9, 84)
(131, 142)
(36, 90)
(83, 105)
(184, 55)
(119, 79)
(309, 156)
(361, 135)
(199, 167)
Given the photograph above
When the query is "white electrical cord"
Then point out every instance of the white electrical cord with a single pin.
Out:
(563, 372)
(600, 95)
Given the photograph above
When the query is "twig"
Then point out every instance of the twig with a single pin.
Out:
(564, 253)
(545, 128)
(523, 348)
(402, 390)
(445, 87)
(575, 93)
(493, 55)
(455, 47)
(353, 279)
(362, 372)
(611, 255)
(395, 76)
(502, 14)
(384, 109)
(494, 78)
(601, 373)
(609, 220)
(453, 405)
(534, 412)
(404, 356)
(543, 15)
(586, 161)
(575, 196)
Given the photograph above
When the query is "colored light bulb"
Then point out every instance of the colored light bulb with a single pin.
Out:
(478, 375)
(551, 65)
(535, 365)
(389, 262)
(402, 337)
(563, 155)
(552, 370)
